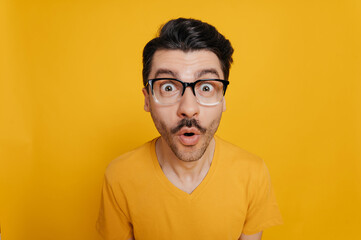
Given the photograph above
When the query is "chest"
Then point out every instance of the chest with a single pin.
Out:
(217, 211)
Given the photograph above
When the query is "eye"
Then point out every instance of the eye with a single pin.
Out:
(206, 87)
(168, 87)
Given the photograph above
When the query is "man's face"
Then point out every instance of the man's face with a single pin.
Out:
(186, 126)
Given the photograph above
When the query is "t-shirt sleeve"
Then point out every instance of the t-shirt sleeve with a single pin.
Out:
(113, 221)
(262, 210)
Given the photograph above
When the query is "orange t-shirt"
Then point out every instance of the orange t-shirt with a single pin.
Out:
(139, 201)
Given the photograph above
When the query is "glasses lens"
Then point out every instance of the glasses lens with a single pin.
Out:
(167, 91)
(209, 92)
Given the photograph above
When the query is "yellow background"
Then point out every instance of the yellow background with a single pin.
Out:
(71, 101)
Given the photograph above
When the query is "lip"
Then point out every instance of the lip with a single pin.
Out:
(189, 140)
(189, 130)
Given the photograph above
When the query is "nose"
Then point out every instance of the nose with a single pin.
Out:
(188, 106)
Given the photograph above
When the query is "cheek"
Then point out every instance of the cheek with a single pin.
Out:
(167, 115)
(210, 114)
(164, 114)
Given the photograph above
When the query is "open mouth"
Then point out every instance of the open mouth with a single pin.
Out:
(188, 134)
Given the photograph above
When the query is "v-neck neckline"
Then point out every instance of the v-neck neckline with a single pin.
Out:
(171, 187)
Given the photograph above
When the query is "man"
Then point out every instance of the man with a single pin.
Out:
(187, 184)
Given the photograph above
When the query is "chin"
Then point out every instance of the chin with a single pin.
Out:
(192, 157)
(189, 153)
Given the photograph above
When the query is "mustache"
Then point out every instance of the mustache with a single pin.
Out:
(188, 122)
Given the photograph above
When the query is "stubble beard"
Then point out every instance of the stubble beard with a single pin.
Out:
(191, 153)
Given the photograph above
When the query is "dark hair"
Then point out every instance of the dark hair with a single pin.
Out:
(188, 35)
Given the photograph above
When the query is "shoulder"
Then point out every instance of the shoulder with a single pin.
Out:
(246, 167)
(234, 154)
(130, 164)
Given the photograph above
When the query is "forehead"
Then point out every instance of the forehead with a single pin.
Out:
(185, 65)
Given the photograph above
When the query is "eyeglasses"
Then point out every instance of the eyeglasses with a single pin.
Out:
(167, 91)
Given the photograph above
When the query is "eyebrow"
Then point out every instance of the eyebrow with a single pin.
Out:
(207, 71)
(165, 71)
(198, 75)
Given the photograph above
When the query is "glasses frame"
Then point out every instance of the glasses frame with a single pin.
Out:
(187, 84)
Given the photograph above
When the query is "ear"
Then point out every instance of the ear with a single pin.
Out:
(146, 99)
(224, 105)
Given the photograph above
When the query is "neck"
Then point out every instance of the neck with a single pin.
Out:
(184, 175)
